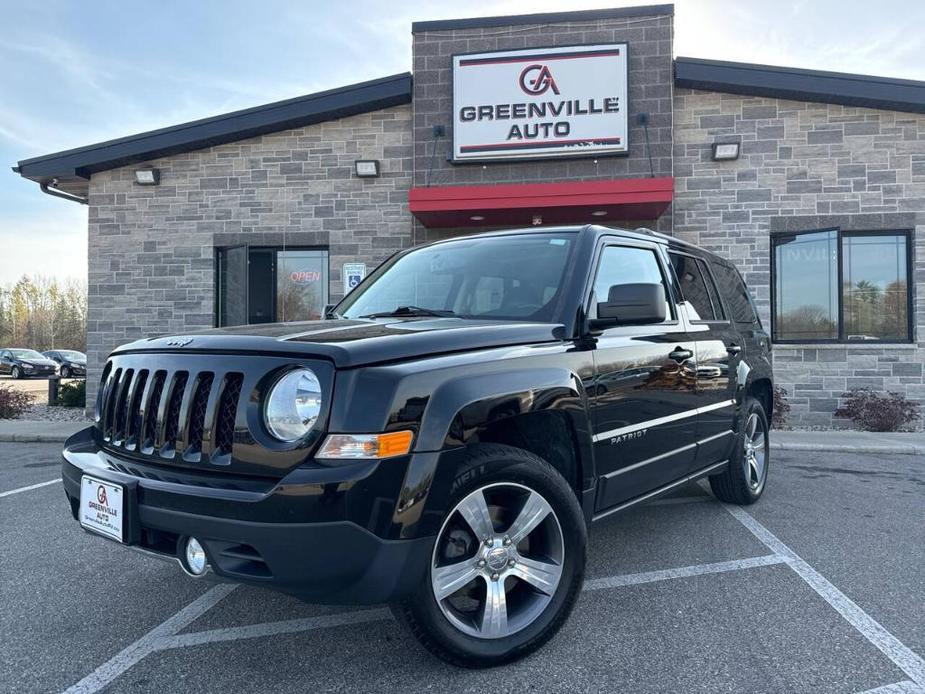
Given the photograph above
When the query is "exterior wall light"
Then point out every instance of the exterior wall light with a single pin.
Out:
(148, 177)
(366, 168)
(599, 213)
(477, 218)
(725, 151)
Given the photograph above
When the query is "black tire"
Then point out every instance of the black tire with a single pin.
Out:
(65, 372)
(739, 483)
(16, 373)
(494, 464)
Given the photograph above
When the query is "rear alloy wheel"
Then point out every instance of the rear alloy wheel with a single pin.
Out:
(507, 563)
(743, 481)
(754, 454)
(16, 373)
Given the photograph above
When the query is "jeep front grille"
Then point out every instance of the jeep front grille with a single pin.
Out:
(177, 414)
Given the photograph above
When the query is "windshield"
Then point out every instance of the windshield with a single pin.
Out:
(502, 277)
(72, 355)
(26, 354)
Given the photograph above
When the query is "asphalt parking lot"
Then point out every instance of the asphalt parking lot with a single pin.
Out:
(820, 587)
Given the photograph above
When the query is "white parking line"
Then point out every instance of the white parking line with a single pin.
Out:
(147, 644)
(289, 626)
(682, 572)
(901, 655)
(29, 488)
(166, 635)
(905, 687)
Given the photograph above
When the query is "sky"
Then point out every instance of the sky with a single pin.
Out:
(74, 73)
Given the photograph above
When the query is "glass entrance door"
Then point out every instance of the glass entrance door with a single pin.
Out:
(232, 286)
(301, 285)
(265, 285)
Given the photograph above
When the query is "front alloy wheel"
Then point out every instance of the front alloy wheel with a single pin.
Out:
(16, 373)
(65, 372)
(507, 563)
(490, 583)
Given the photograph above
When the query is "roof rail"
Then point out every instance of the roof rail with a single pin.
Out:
(664, 237)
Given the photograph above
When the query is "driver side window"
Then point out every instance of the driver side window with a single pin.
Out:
(627, 265)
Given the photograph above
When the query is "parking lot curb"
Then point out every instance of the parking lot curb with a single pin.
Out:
(33, 438)
(897, 449)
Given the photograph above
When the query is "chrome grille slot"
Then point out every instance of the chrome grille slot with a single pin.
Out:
(227, 412)
(198, 413)
(132, 415)
(149, 416)
(172, 417)
(109, 403)
(118, 427)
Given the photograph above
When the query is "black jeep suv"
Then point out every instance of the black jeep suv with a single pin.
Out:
(444, 439)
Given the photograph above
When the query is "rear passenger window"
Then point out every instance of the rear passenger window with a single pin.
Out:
(697, 288)
(734, 292)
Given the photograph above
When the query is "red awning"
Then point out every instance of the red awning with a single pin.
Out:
(555, 203)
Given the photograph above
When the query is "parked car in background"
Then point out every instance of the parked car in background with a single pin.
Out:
(444, 440)
(70, 362)
(22, 363)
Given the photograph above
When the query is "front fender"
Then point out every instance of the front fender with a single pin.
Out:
(457, 410)
(460, 407)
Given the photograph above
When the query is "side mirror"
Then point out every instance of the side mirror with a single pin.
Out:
(328, 309)
(632, 304)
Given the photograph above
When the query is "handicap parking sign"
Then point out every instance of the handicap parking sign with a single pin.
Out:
(353, 274)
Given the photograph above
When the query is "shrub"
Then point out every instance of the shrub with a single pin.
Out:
(72, 394)
(874, 412)
(781, 408)
(13, 402)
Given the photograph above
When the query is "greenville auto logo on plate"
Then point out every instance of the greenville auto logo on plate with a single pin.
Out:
(541, 102)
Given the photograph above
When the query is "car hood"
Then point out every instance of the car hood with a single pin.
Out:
(36, 362)
(350, 343)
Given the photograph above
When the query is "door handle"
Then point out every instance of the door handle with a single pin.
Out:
(680, 354)
(733, 349)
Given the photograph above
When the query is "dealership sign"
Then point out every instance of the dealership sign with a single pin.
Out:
(546, 102)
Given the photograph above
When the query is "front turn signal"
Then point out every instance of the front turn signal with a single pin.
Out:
(365, 446)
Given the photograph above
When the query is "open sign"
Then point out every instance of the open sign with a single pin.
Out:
(304, 276)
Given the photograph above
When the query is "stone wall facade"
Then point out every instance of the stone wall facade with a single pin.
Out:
(152, 249)
(805, 166)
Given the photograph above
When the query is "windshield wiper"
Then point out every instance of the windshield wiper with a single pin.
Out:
(410, 311)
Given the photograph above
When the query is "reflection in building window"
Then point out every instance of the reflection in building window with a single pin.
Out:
(870, 302)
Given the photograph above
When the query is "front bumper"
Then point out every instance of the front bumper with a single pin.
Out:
(299, 534)
(39, 371)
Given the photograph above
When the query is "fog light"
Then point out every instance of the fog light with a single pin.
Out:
(195, 557)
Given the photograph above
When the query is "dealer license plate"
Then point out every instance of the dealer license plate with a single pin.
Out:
(101, 505)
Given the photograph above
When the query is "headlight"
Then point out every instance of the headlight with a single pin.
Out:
(28, 366)
(293, 405)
